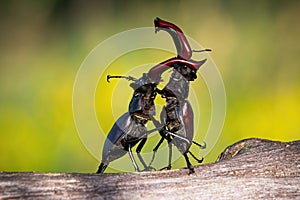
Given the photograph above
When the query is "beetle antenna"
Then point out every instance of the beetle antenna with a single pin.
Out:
(202, 50)
(129, 78)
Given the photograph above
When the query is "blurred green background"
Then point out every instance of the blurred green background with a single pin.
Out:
(43, 43)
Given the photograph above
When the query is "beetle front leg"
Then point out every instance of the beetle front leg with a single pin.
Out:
(136, 167)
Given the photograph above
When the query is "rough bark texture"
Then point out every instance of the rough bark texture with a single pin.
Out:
(249, 169)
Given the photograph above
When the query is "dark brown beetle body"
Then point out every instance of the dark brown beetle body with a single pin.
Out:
(176, 124)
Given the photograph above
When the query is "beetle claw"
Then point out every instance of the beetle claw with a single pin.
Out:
(169, 167)
(191, 171)
(149, 168)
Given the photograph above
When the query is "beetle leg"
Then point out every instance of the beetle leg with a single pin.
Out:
(155, 150)
(136, 167)
(170, 152)
(197, 159)
(138, 150)
(199, 145)
(169, 139)
(178, 136)
(188, 163)
(101, 168)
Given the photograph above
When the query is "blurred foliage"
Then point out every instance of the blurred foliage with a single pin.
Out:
(255, 46)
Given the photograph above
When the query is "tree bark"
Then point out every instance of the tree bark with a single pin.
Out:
(249, 169)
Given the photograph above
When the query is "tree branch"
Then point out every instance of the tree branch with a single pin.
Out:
(249, 169)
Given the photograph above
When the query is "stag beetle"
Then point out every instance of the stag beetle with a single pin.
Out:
(130, 128)
(177, 115)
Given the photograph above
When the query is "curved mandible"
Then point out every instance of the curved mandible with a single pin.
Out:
(182, 45)
(156, 71)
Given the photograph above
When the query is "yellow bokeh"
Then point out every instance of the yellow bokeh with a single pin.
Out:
(255, 46)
